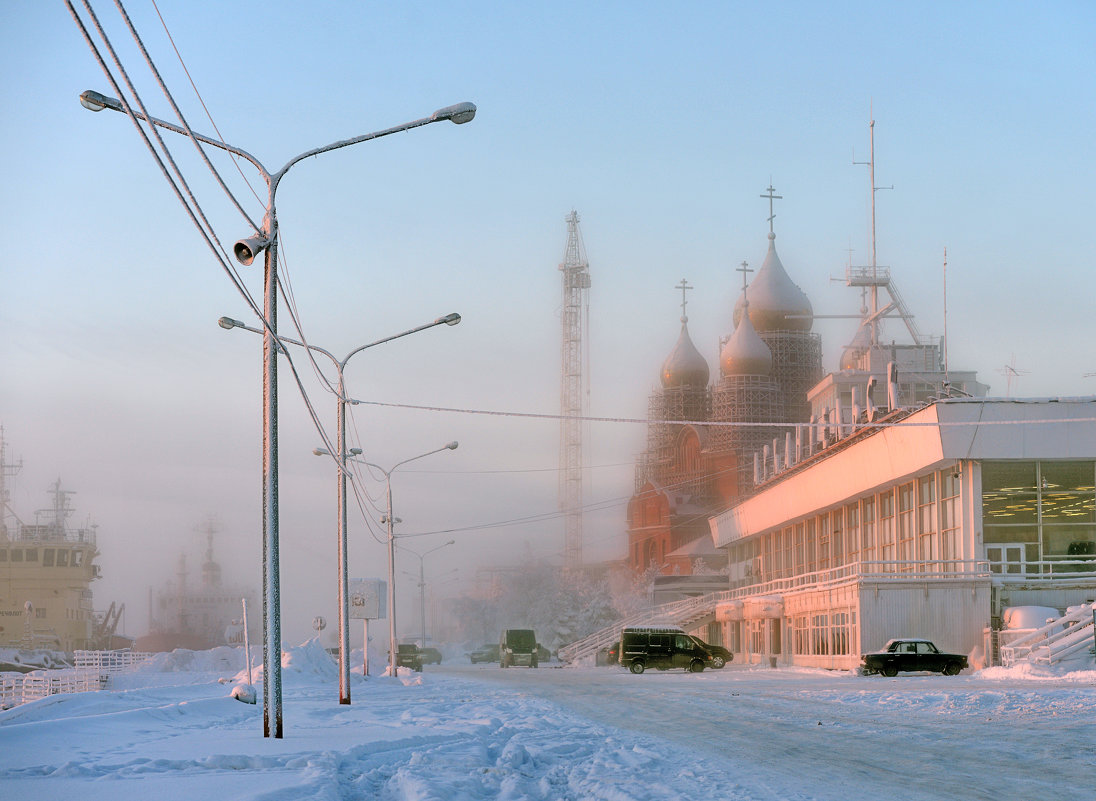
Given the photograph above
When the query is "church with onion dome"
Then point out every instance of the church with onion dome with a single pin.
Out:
(802, 517)
(703, 434)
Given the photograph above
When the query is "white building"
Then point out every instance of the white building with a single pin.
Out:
(925, 523)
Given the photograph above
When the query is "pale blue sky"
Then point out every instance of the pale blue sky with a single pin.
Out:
(660, 124)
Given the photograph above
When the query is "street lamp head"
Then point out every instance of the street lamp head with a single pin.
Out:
(458, 114)
(321, 452)
(247, 249)
(355, 451)
(451, 542)
(452, 445)
(93, 101)
(449, 319)
(227, 323)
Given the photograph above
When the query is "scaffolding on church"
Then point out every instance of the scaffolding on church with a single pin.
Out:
(797, 366)
(746, 399)
(688, 404)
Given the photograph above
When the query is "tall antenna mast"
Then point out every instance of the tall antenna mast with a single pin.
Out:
(573, 381)
(874, 283)
(947, 382)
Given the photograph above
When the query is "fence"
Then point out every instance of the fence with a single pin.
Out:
(92, 672)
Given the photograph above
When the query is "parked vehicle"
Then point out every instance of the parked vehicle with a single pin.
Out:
(912, 654)
(518, 647)
(489, 652)
(408, 655)
(612, 654)
(430, 656)
(661, 648)
(543, 654)
(720, 656)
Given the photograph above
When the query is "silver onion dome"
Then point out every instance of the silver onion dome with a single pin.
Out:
(776, 303)
(745, 353)
(685, 367)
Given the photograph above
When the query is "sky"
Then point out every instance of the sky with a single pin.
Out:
(170, 730)
(661, 125)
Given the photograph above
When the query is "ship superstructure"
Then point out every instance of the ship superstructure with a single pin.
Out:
(46, 570)
(195, 615)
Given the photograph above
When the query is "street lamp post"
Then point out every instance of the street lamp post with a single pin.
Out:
(422, 582)
(452, 446)
(341, 401)
(265, 239)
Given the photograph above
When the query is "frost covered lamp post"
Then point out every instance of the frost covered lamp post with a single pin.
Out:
(422, 581)
(265, 239)
(388, 519)
(342, 400)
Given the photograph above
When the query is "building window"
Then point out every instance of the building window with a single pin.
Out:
(867, 530)
(836, 530)
(905, 526)
(928, 544)
(47, 557)
(852, 531)
(949, 513)
(886, 528)
(31, 554)
(1046, 508)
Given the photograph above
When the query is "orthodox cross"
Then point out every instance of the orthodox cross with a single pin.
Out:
(771, 198)
(745, 270)
(683, 286)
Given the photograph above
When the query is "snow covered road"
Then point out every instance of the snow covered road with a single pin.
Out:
(475, 732)
(813, 734)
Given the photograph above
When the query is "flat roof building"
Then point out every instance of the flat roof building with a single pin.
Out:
(924, 523)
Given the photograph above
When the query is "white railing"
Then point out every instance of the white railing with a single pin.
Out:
(11, 690)
(1046, 570)
(41, 683)
(93, 670)
(1055, 641)
(109, 662)
(674, 613)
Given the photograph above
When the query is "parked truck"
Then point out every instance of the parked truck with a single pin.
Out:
(518, 647)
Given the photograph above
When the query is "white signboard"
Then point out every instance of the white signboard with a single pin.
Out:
(367, 598)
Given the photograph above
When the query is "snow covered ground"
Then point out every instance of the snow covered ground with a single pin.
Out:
(460, 731)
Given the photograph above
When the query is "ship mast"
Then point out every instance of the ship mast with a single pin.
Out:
(7, 469)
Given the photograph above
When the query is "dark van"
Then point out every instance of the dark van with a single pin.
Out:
(662, 649)
(518, 647)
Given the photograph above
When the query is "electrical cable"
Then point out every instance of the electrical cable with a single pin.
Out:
(179, 113)
(201, 100)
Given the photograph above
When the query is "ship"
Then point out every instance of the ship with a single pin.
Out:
(46, 571)
(197, 616)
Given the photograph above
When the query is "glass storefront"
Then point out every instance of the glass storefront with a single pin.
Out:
(1038, 512)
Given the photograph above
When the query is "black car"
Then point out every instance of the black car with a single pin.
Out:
(488, 652)
(912, 654)
(409, 656)
(430, 656)
(662, 648)
(720, 655)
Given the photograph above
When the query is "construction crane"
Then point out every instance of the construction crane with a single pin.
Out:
(574, 389)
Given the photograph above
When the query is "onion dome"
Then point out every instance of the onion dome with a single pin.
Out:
(684, 367)
(776, 303)
(745, 353)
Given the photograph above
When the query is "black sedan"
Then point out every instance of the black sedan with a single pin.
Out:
(431, 656)
(910, 655)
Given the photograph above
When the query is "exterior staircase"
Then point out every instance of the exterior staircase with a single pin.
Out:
(688, 614)
(1060, 639)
